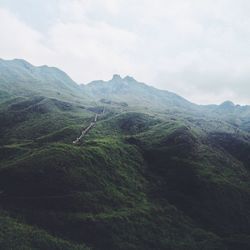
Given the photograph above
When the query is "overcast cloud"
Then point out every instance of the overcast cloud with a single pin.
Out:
(198, 49)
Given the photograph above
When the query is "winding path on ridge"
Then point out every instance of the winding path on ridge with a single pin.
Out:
(87, 129)
(78, 139)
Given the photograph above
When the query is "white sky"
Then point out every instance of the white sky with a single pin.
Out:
(198, 49)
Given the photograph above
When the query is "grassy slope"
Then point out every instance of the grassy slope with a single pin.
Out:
(20, 78)
(137, 182)
(17, 235)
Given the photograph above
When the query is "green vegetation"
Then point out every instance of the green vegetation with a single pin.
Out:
(155, 172)
(16, 235)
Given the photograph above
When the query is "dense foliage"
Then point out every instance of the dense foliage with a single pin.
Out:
(151, 174)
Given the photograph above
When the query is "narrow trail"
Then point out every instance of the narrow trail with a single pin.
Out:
(85, 131)
(88, 128)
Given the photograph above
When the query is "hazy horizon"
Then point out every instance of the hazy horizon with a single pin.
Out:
(198, 50)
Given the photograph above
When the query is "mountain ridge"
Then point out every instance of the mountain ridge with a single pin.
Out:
(155, 172)
(116, 78)
(20, 77)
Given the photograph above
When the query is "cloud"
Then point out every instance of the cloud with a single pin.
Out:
(18, 40)
(84, 48)
(199, 49)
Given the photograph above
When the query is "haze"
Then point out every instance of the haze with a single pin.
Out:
(198, 49)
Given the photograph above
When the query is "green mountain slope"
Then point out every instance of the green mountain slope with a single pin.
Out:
(128, 90)
(18, 77)
(154, 172)
(142, 97)
(16, 235)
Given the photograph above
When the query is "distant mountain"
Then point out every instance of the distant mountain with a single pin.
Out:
(128, 91)
(134, 93)
(237, 115)
(227, 105)
(18, 77)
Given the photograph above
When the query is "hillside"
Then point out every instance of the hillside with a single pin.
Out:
(154, 172)
(134, 93)
(19, 77)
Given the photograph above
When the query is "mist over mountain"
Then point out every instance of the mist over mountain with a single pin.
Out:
(118, 164)
(20, 77)
(129, 90)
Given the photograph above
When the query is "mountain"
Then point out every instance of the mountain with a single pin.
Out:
(18, 77)
(127, 92)
(237, 115)
(135, 93)
(153, 171)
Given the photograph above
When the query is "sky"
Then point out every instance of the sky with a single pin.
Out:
(197, 49)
